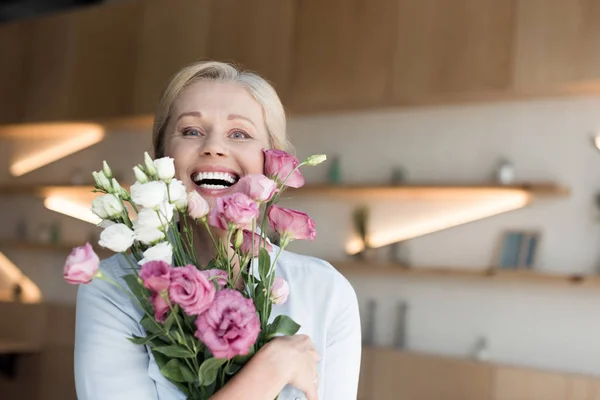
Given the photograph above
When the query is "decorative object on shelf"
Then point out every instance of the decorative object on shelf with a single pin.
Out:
(17, 293)
(481, 350)
(400, 332)
(398, 176)
(21, 229)
(43, 233)
(505, 172)
(360, 219)
(518, 249)
(399, 253)
(54, 233)
(369, 323)
(334, 175)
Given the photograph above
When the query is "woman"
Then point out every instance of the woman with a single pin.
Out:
(214, 121)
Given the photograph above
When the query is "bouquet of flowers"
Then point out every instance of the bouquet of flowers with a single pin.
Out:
(201, 325)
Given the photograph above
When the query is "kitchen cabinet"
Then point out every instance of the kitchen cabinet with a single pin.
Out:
(557, 43)
(342, 54)
(452, 49)
(256, 35)
(173, 34)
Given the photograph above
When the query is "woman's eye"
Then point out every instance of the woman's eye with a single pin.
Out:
(237, 134)
(191, 132)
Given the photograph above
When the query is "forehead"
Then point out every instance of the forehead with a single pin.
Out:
(218, 99)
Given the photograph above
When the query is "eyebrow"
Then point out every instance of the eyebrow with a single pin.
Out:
(235, 116)
(190, 114)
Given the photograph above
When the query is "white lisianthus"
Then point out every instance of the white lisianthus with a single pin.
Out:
(102, 181)
(147, 234)
(178, 195)
(150, 168)
(107, 206)
(165, 168)
(315, 159)
(117, 237)
(150, 218)
(140, 176)
(106, 170)
(160, 252)
(118, 190)
(149, 195)
(105, 223)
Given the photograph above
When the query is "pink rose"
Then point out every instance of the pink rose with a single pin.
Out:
(280, 290)
(230, 326)
(279, 164)
(258, 187)
(237, 209)
(191, 290)
(246, 247)
(221, 276)
(291, 224)
(197, 206)
(161, 307)
(82, 265)
(156, 275)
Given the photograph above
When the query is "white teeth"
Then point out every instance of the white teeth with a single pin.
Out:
(213, 187)
(214, 175)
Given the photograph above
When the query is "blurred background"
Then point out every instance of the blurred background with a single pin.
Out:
(460, 196)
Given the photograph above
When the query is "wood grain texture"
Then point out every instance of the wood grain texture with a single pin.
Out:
(557, 44)
(342, 54)
(50, 50)
(173, 35)
(13, 39)
(257, 35)
(447, 48)
(522, 384)
(409, 376)
(105, 56)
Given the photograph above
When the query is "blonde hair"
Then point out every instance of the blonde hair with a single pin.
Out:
(258, 87)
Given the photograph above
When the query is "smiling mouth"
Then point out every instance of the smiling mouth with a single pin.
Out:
(215, 180)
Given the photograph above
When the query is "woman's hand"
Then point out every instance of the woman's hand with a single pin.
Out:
(296, 357)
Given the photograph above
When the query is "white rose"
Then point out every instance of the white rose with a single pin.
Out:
(117, 237)
(107, 206)
(165, 168)
(150, 218)
(178, 195)
(149, 195)
(161, 252)
(147, 234)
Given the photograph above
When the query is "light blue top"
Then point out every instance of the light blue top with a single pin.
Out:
(109, 367)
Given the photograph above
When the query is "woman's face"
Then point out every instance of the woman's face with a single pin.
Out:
(216, 134)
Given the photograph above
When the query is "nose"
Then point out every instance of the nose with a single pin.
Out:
(214, 145)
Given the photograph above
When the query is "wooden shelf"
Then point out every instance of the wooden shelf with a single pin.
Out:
(539, 189)
(64, 248)
(377, 269)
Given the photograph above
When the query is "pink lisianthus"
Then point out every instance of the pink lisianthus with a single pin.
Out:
(82, 265)
(197, 206)
(161, 307)
(156, 275)
(230, 326)
(216, 274)
(291, 224)
(258, 187)
(280, 290)
(191, 290)
(246, 247)
(279, 164)
(237, 209)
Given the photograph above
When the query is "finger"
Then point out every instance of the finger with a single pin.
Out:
(312, 394)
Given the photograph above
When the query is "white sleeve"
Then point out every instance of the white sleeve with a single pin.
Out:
(107, 365)
(343, 352)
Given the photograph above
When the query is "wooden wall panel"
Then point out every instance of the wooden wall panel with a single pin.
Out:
(342, 54)
(13, 39)
(173, 34)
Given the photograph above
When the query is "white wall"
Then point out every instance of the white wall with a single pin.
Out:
(551, 327)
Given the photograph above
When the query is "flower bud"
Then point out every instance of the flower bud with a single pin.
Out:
(315, 159)
(140, 176)
(150, 168)
(107, 171)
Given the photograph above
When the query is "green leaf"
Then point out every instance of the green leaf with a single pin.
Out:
(231, 369)
(264, 263)
(172, 370)
(187, 374)
(209, 370)
(282, 325)
(143, 340)
(150, 325)
(171, 318)
(259, 301)
(161, 359)
(175, 351)
(139, 291)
